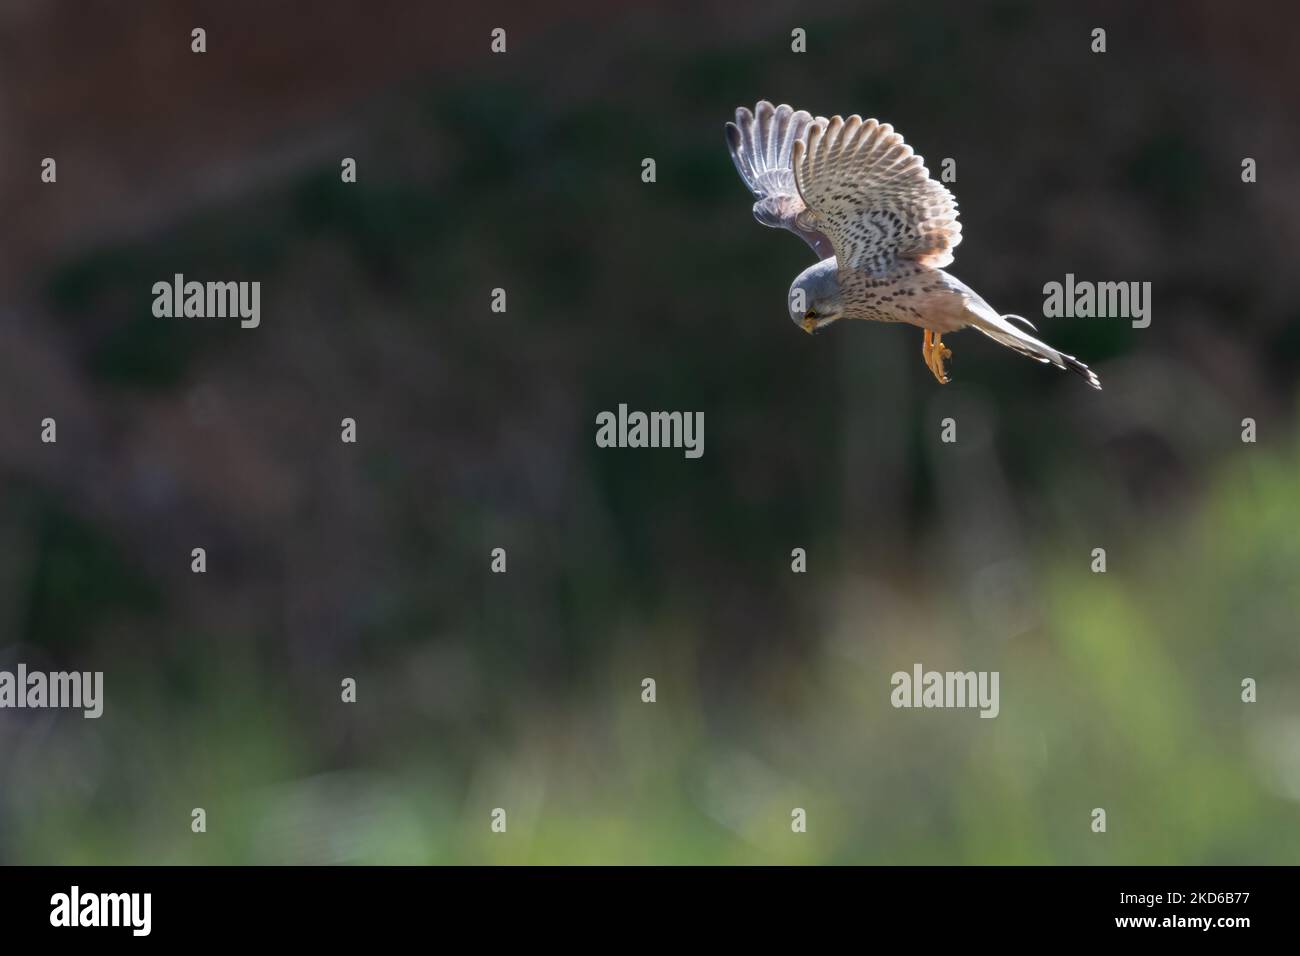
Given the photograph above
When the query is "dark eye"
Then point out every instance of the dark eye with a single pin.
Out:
(810, 314)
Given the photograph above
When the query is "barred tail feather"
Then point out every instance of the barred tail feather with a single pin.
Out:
(1001, 330)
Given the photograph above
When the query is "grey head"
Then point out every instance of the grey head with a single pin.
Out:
(814, 300)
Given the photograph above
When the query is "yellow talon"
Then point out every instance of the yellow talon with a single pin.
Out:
(934, 352)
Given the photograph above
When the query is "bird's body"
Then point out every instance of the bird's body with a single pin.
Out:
(881, 228)
(926, 298)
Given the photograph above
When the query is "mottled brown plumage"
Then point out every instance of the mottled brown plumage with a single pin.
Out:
(882, 229)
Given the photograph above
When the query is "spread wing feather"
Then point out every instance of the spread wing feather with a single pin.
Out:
(761, 144)
(871, 195)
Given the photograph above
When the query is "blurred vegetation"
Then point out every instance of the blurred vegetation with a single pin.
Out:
(1129, 700)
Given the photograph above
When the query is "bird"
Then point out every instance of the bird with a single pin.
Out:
(881, 228)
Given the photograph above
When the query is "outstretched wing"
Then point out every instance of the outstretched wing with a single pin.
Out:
(761, 145)
(867, 191)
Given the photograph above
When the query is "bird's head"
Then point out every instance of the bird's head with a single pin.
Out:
(814, 299)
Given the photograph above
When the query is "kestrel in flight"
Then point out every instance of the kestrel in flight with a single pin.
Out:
(882, 228)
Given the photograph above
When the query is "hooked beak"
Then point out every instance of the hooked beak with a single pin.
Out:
(808, 324)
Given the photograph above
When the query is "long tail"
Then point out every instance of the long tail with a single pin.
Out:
(1000, 329)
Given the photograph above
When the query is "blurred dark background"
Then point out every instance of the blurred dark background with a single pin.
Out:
(476, 431)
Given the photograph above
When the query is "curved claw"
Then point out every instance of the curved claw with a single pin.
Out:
(934, 352)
